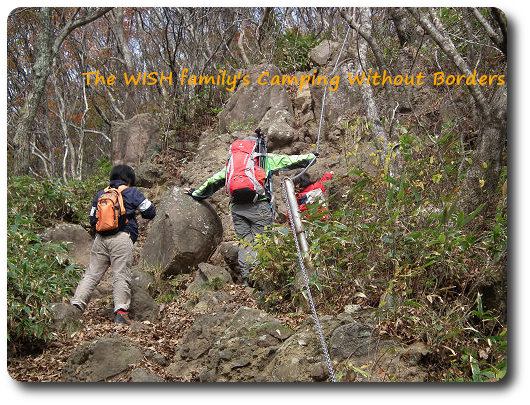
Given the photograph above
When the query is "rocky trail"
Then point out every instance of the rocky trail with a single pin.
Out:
(159, 341)
(204, 325)
(215, 336)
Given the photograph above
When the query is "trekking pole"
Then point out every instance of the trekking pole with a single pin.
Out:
(264, 164)
(262, 147)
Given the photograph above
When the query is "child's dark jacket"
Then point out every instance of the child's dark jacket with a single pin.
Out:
(133, 200)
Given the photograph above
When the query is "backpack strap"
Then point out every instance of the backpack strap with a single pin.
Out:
(120, 198)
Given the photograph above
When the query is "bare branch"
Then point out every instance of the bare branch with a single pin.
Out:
(494, 36)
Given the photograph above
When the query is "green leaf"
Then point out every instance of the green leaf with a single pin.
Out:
(472, 216)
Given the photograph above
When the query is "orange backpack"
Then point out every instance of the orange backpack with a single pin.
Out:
(110, 211)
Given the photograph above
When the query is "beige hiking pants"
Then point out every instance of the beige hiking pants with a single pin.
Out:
(115, 251)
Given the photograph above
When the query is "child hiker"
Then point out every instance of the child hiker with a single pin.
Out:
(312, 192)
(113, 215)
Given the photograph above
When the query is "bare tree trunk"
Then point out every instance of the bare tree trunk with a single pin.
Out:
(240, 45)
(364, 30)
(81, 129)
(372, 111)
(67, 142)
(123, 45)
(263, 26)
(440, 36)
(497, 38)
(402, 25)
(482, 177)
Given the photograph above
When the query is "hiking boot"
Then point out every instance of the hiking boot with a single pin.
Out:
(122, 317)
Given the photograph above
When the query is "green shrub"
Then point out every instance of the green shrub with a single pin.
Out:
(405, 238)
(50, 200)
(292, 51)
(38, 274)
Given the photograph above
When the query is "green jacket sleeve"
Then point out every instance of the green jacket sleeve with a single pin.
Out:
(210, 186)
(287, 162)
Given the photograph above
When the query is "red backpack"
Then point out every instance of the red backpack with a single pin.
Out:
(244, 177)
(110, 211)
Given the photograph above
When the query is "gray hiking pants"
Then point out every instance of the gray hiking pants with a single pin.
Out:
(249, 220)
(115, 251)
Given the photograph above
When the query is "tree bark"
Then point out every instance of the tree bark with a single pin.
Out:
(364, 30)
(372, 111)
(123, 45)
(438, 34)
(402, 25)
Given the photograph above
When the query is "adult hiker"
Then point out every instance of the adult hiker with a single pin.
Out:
(247, 180)
(312, 192)
(113, 216)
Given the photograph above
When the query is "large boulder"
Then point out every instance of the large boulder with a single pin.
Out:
(300, 357)
(78, 240)
(141, 375)
(135, 140)
(211, 156)
(101, 359)
(149, 174)
(184, 233)
(65, 316)
(321, 54)
(352, 346)
(352, 339)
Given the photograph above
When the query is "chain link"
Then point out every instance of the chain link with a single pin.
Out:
(309, 295)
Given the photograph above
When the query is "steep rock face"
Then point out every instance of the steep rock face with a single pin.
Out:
(184, 234)
(134, 140)
(344, 100)
(260, 105)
